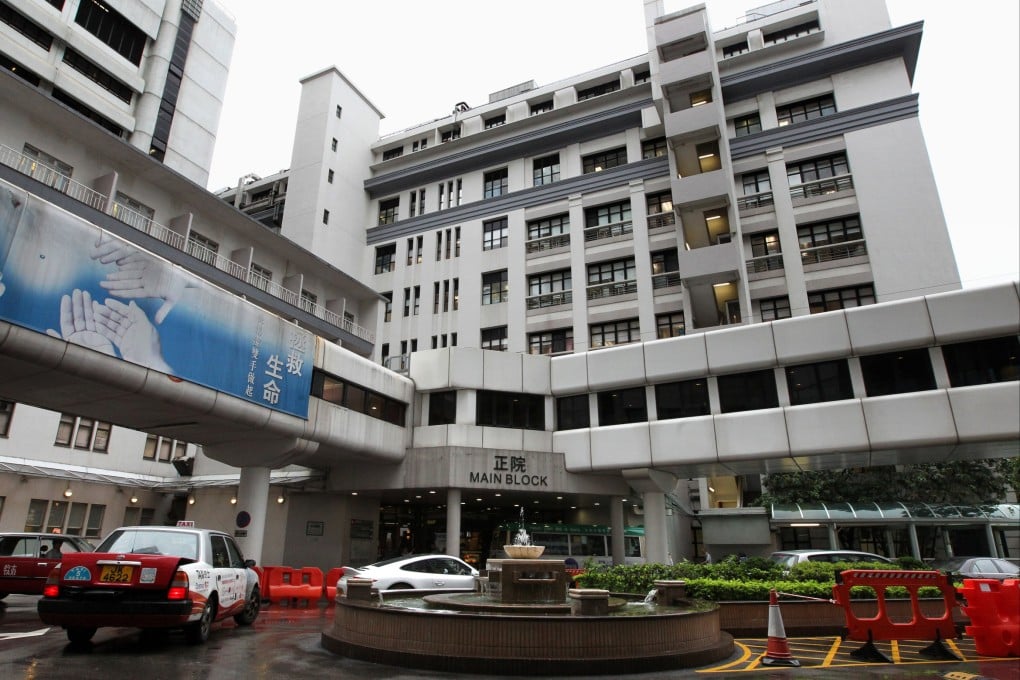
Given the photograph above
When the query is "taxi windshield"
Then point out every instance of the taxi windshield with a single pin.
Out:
(152, 542)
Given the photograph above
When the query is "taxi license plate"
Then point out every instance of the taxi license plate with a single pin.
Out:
(116, 573)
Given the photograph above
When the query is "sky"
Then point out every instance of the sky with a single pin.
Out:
(414, 60)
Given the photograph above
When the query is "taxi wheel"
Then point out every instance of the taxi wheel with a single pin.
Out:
(79, 636)
(198, 632)
(401, 586)
(251, 609)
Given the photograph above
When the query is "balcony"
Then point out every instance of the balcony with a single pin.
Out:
(540, 245)
(765, 263)
(833, 252)
(762, 200)
(143, 223)
(666, 280)
(563, 297)
(612, 289)
(604, 231)
(822, 187)
(663, 220)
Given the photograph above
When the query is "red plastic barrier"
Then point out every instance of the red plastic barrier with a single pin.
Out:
(881, 627)
(293, 586)
(994, 612)
(332, 576)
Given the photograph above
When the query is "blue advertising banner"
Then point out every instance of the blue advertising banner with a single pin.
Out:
(65, 277)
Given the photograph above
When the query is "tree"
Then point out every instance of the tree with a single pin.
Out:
(957, 482)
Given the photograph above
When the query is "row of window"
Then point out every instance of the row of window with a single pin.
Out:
(968, 363)
(498, 119)
(545, 170)
(65, 517)
(788, 114)
(357, 398)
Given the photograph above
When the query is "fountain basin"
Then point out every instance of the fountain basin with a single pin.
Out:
(497, 640)
(524, 552)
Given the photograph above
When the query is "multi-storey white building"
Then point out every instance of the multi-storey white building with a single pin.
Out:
(645, 246)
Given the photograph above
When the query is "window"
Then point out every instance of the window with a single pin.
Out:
(642, 76)
(664, 261)
(64, 517)
(417, 301)
(325, 217)
(701, 97)
(611, 213)
(549, 282)
(339, 111)
(494, 183)
(819, 234)
(541, 107)
(419, 144)
(407, 305)
(26, 27)
(572, 412)
(6, 416)
(551, 342)
(597, 162)
(162, 449)
(388, 210)
(329, 176)
(494, 287)
(260, 277)
(449, 135)
(456, 294)
(494, 338)
(395, 152)
(615, 333)
(817, 168)
(385, 258)
(977, 362)
(818, 382)
(621, 406)
(93, 72)
(356, 398)
(415, 247)
(546, 170)
(897, 372)
(112, 28)
(334, 144)
(83, 433)
(611, 271)
(417, 200)
(495, 121)
(494, 234)
(653, 148)
(735, 49)
(202, 247)
(756, 182)
(669, 325)
(748, 391)
(449, 194)
(598, 90)
(510, 409)
(774, 308)
(658, 203)
(808, 109)
(747, 125)
(388, 306)
(841, 298)
(549, 226)
(443, 408)
(791, 32)
(684, 399)
(708, 156)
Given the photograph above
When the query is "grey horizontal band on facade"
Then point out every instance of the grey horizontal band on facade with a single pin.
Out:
(903, 42)
(651, 168)
(534, 142)
(825, 127)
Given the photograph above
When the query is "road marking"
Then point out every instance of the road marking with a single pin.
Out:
(16, 636)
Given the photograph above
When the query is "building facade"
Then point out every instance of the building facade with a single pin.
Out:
(747, 256)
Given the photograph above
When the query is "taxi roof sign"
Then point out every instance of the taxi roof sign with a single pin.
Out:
(185, 522)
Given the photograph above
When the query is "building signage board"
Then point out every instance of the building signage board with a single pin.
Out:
(66, 277)
(510, 471)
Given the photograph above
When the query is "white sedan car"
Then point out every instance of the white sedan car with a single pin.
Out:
(415, 572)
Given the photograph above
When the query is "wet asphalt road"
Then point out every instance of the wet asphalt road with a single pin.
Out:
(285, 643)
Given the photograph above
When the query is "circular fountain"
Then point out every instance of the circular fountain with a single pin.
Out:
(524, 620)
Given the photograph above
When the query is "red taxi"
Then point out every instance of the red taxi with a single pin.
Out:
(27, 558)
(152, 577)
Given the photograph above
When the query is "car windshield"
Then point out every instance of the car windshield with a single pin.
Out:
(784, 559)
(152, 542)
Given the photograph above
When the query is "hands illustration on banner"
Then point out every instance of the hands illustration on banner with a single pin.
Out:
(139, 275)
(102, 327)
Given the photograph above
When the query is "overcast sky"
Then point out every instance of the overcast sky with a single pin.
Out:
(414, 60)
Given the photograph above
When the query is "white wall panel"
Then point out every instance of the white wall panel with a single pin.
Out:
(569, 374)
(751, 435)
(986, 412)
(917, 419)
(430, 370)
(828, 427)
(616, 366)
(502, 438)
(966, 314)
(811, 338)
(575, 445)
(621, 446)
(676, 358)
(502, 371)
(466, 371)
(683, 441)
(740, 349)
(880, 328)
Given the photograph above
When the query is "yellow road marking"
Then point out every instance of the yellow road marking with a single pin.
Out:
(833, 650)
(894, 644)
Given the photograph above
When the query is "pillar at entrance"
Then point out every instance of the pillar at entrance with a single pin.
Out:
(656, 542)
(453, 522)
(252, 502)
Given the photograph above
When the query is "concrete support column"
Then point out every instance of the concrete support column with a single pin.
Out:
(656, 542)
(833, 537)
(915, 545)
(616, 523)
(990, 535)
(253, 498)
(453, 522)
(948, 542)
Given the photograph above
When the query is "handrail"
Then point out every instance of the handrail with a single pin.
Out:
(821, 187)
(563, 297)
(661, 220)
(33, 168)
(765, 263)
(666, 280)
(833, 251)
(547, 243)
(608, 231)
(761, 200)
(611, 289)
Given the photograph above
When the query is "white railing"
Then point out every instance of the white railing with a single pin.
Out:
(563, 297)
(755, 201)
(612, 289)
(666, 280)
(608, 231)
(765, 263)
(136, 220)
(821, 187)
(835, 251)
(661, 220)
(548, 243)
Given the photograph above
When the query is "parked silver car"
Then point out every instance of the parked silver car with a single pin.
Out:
(788, 558)
(978, 567)
(415, 572)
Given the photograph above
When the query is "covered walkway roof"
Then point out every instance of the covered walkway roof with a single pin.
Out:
(881, 513)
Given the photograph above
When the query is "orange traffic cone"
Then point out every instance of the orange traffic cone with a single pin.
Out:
(777, 653)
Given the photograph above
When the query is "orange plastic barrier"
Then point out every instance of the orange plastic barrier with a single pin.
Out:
(332, 576)
(881, 627)
(994, 612)
(293, 586)
(264, 586)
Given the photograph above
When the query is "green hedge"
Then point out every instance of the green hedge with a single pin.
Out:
(749, 579)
